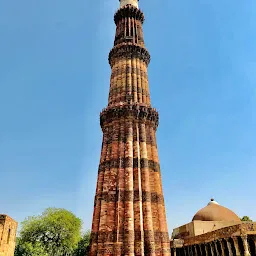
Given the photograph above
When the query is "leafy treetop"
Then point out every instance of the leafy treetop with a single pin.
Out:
(54, 232)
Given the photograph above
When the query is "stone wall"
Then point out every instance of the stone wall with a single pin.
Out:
(183, 231)
(8, 229)
(196, 228)
(227, 232)
(202, 227)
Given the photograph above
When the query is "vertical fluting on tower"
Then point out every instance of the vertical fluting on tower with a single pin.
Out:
(129, 212)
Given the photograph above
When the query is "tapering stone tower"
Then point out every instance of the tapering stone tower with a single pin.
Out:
(129, 213)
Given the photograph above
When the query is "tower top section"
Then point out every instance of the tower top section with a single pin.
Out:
(132, 2)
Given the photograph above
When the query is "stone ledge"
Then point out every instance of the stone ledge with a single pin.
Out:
(227, 232)
(134, 111)
(128, 50)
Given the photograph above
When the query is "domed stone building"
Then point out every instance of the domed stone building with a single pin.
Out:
(215, 212)
(214, 231)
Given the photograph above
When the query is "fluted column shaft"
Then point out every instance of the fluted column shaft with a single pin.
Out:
(129, 82)
(138, 211)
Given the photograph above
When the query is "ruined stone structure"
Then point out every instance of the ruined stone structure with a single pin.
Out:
(236, 240)
(129, 212)
(8, 229)
(214, 231)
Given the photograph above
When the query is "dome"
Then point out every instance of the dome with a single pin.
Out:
(215, 212)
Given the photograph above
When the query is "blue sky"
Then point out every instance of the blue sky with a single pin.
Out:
(54, 81)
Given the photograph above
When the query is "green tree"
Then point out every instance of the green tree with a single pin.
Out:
(29, 249)
(55, 232)
(82, 248)
(246, 218)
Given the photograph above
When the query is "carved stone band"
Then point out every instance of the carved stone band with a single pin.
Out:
(134, 196)
(135, 111)
(129, 70)
(129, 162)
(111, 236)
(129, 11)
(128, 50)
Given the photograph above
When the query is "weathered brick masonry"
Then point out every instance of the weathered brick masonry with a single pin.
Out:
(8, 229)
(129, 212)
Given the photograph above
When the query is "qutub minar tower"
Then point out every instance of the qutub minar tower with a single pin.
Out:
(129, 212)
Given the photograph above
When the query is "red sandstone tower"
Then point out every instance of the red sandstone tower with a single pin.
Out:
(129, 213)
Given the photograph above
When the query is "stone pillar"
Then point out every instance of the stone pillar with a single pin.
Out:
(187, 250)
(229, 248)
(206, 249)
(254, 240)
(235, 239)
(246, 246)
(200, 249)
(190, 250)
(216, 248)
(195, 248)
(212, 249)
(222, 247)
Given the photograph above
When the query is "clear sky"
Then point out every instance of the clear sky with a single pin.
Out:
(54, 81)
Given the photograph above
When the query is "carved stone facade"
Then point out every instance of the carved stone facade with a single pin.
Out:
(8, 229)
(236, 240)
(129, 212)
